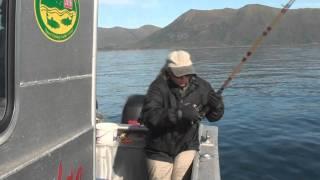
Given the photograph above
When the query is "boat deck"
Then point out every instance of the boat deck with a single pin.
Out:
(120, 154)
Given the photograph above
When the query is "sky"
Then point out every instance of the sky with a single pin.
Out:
(136, 13)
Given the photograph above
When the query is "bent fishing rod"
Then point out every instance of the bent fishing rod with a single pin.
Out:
(254, 46)
(251, 51)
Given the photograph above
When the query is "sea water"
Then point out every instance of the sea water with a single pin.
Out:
(271, 126)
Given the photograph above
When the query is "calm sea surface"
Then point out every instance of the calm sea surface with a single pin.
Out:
(271, 126)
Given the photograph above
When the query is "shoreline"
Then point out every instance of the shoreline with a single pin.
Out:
(213, 47)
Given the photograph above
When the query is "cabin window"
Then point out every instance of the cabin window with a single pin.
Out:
(6, 62)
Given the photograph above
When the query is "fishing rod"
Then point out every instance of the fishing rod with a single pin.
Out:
(250, 52)
(255, 45)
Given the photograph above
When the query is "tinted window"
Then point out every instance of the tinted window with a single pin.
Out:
(3, 27)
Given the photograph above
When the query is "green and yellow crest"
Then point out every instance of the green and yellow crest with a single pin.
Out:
(57, 19)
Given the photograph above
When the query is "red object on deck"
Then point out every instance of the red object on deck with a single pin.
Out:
(133, 122)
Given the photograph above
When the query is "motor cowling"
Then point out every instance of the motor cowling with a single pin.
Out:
(132, 109)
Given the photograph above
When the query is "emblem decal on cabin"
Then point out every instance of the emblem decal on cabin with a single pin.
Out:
(57, 19)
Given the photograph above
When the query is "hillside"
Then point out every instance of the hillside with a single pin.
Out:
(118, 37)
(232, 27)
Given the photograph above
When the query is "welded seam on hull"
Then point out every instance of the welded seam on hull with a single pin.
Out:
(56, 80)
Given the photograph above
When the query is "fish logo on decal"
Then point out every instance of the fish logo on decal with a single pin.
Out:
(57, 19)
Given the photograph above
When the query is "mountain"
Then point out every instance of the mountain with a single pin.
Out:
(119, 38)
(234, 27)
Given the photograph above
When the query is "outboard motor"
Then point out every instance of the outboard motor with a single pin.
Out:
(132, 109)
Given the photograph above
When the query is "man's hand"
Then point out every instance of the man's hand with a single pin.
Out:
(215, 100)
(189, 114)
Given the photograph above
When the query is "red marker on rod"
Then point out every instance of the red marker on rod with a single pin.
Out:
(254, 46)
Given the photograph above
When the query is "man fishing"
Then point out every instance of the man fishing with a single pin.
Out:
(175, 102)
(172, 110)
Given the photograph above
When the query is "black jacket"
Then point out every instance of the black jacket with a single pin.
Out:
(160, 115)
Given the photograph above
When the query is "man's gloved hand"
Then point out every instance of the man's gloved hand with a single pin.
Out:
(189, 114)
(215, 100)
